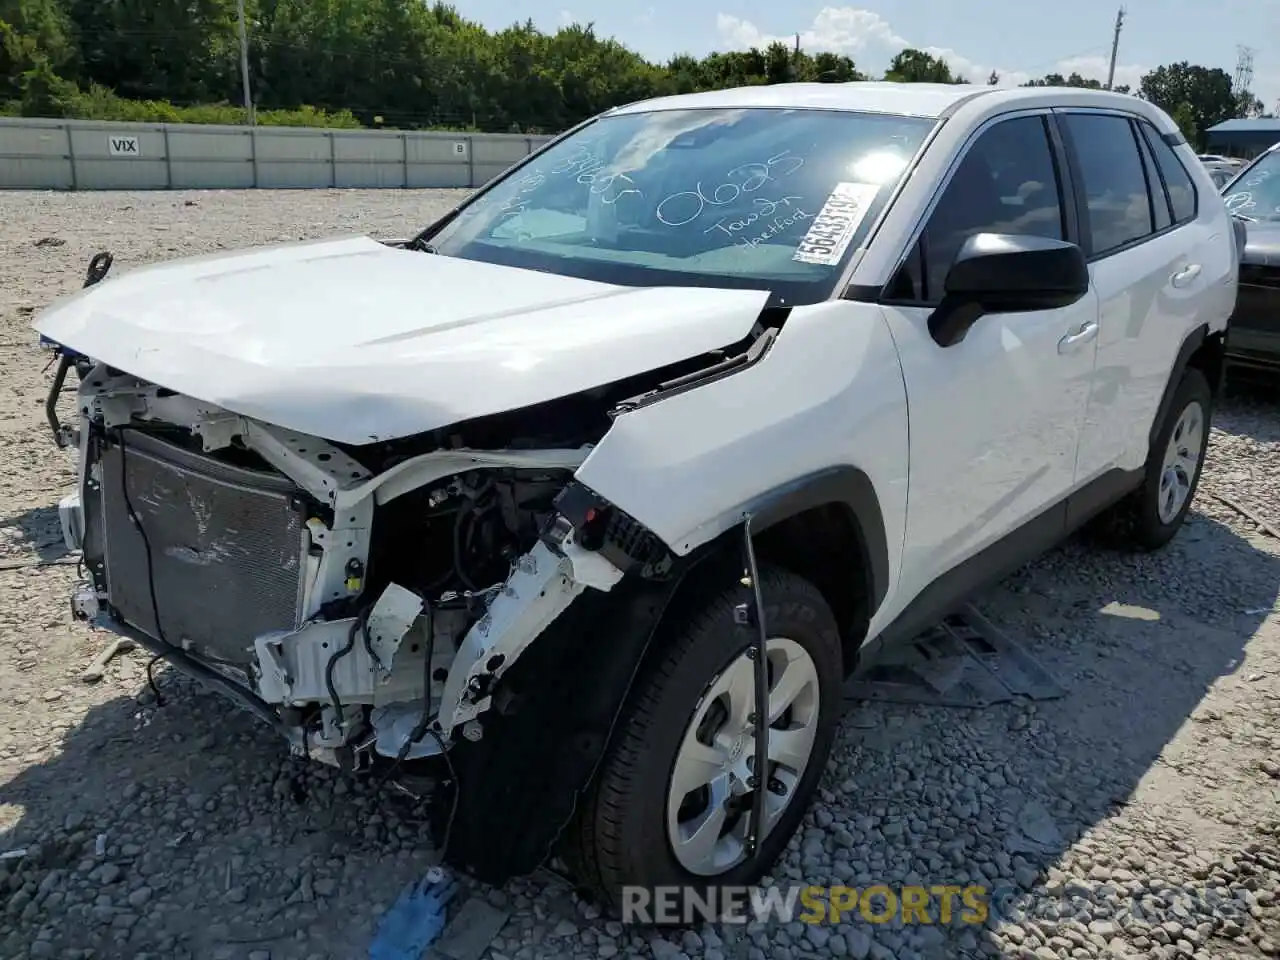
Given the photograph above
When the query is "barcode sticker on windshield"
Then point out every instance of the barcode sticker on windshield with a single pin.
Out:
(831, 230)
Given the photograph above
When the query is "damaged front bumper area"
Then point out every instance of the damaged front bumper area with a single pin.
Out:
(297, 579)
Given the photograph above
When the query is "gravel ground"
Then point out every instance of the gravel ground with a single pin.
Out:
(1142, 811)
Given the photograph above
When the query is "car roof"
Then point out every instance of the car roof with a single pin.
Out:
(929, 100)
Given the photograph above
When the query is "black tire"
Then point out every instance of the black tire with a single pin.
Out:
(1134, 522)
(620, 835)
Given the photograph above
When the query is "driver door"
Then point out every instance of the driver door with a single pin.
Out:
(995, 419)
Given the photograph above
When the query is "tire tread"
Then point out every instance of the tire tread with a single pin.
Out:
(598, 852)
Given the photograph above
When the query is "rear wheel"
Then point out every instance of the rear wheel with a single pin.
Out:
(671, 804)
(1149, 517)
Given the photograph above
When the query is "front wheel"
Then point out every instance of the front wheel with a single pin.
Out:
(672, 801)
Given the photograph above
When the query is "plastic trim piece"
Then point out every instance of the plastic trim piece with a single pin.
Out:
(846, 486)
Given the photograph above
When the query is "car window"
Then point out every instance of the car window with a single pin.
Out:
(1115, 188)
(1160, 206)
(1182, 191)
(1006, 183)
(1255, 193)
(773, 199)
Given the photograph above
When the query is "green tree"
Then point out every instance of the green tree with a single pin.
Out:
(1184, 115)
(34, 35)
(180, 50)
(392, 63)
(1247, 105)
(916, 66)
(1073, 80)
(833, 68)
(1204, 92)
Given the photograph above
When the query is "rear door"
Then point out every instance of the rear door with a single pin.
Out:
(1150, 260)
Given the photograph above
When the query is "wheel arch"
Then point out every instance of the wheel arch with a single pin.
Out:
(828, 528)
(1203, 350)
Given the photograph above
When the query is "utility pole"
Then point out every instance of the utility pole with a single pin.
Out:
(1243, 80)
(244, 65)
(1115, 48)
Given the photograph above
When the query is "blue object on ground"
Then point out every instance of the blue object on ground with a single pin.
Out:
(57, 348)
(416, 920)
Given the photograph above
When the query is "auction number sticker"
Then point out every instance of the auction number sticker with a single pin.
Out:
(831, 230)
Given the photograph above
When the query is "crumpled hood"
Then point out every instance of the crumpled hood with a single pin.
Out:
(355, 341)
(1262, 245)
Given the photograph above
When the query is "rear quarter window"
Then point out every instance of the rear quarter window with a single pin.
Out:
(1182, 190)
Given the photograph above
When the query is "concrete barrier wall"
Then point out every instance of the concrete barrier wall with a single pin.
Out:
(97, 155)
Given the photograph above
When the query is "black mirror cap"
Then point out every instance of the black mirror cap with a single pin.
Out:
(1031, 273)
(1007, 273)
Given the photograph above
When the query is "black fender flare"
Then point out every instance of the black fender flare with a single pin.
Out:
(850, 489)
(1193, 342)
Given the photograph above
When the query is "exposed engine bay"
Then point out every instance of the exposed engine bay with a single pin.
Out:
(370, 597)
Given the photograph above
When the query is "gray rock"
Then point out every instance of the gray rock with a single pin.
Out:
(664, 949)
(818, 935)
(106, 874)
(139, 897)
(858, 944)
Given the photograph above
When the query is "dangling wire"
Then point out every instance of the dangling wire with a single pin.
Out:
(151, 679)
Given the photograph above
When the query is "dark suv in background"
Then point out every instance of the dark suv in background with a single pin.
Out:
(1253, 339)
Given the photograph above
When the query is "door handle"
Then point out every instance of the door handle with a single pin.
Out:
(1185, 275)
(1073, 341)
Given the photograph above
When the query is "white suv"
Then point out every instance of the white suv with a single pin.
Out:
(784, 370)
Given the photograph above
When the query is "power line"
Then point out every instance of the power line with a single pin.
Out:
(1115, 47)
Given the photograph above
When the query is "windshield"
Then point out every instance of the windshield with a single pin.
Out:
(748, 198)
(1255, 194)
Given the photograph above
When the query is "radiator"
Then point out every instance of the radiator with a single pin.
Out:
(224, 545)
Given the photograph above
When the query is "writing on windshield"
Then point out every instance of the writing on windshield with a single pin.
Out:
(1256, 195)
(720, 196)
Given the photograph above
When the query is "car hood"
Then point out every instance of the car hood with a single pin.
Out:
(356, 341)
(1262, 244)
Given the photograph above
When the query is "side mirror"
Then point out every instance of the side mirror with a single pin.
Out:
(1005, 273)
(1240, 233)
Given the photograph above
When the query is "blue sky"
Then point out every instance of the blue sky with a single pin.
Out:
(1017, 38)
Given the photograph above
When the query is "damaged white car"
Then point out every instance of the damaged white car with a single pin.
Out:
(598, 487)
